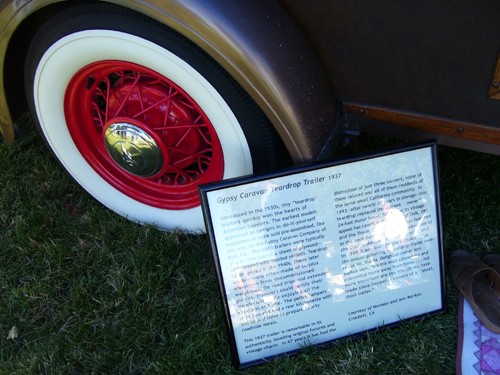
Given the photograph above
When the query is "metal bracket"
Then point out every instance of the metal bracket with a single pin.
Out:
(494, 88)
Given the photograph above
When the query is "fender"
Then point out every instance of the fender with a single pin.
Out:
(256, 42)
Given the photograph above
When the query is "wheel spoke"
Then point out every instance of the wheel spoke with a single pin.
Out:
(152, 106)
(131, 89)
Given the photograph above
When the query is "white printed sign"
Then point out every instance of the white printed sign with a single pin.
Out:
(316, 254)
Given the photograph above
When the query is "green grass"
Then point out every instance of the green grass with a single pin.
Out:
(92, 293)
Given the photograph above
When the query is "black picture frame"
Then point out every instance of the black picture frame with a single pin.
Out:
(323, 252)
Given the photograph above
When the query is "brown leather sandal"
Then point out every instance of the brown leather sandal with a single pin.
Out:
(480, 286)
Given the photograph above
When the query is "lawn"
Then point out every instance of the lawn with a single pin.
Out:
(92, 293)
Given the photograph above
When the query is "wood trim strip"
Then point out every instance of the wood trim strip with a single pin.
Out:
(433, 124)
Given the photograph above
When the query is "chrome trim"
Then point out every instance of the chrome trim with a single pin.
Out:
(133, 149)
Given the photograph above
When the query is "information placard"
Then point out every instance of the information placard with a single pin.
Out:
(315, 254)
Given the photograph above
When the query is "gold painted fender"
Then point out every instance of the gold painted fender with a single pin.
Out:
(256, 42)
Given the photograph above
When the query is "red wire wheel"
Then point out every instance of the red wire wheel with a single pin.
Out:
(150, 115)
